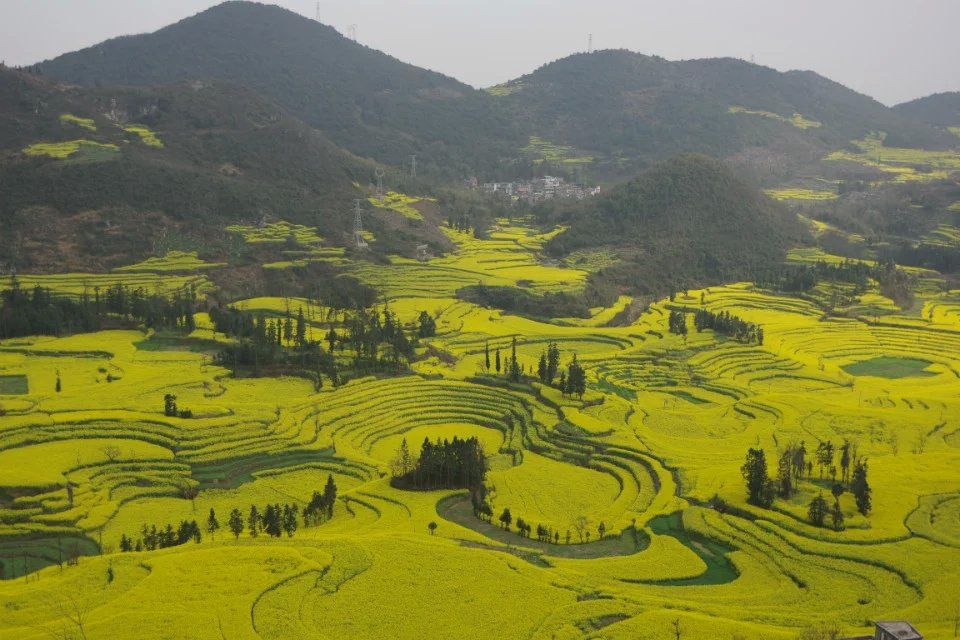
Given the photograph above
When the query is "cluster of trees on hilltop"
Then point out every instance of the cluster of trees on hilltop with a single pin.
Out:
(571, 382)
(793, 466)
(154, 537)
(727, 324)
(264, 343)
(379, 341)
(677, 322)
(802, 278)
(548, 305)
(40, 311)
(445, 464)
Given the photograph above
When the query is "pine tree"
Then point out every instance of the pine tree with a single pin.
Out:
(170, 405)
(213, 525)
(330, 495)
(486, 356)
(253, 522)
(288, 328)
(861, 488)
(514, 366)
(542, 368)
(553, 361)
(289, 519)
(845, 459)
(236, 523)
(506, 518)
(818, 510)
(497, 359)
(301, 331)
(785, 474)
(836, 514)
(754, 471)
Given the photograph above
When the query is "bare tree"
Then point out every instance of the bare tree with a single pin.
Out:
(956, 620)
(677, 630)
(70, 619)
(111, 451)
(580, 525)
(189, 491)
(821, 631)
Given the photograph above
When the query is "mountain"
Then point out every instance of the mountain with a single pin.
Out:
(625, 109)
(366, 101)
(683, 222)
(94, 177)
(940, 109)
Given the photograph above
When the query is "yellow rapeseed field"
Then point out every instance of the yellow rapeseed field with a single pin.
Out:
(653, 451)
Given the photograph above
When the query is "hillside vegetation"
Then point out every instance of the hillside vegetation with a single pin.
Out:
(95, 176)
(941, 109)
(367, 101)
(684, 222)
(625, 107)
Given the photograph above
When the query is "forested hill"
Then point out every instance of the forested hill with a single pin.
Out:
(619, 106)
(368, 102)
(99, 176)
(941, 109)
(683, 222)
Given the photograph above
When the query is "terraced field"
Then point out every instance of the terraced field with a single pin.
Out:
(658, 437)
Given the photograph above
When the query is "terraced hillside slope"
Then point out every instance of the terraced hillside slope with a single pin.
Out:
(93, 177)
(621, 109)
(634, 487)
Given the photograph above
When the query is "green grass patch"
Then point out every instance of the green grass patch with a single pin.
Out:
(15, 385)
(890, 367)
(720, 569)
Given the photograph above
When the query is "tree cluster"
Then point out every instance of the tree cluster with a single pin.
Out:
(677, 323)
(263, 343)
(727, 324)
(153, 537)
(549, 364)
(41, 312)
(793, 465)
(445, 464)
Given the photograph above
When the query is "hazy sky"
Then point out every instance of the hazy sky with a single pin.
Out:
(893, 50)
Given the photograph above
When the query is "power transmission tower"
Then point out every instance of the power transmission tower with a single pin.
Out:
(352, 30)
(379, 173)
(590, 43)
(318, 12)
(413, 166)
(358, 226)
